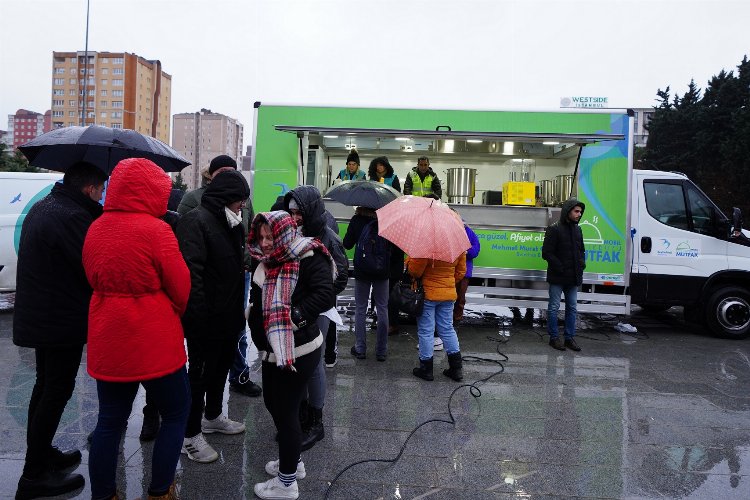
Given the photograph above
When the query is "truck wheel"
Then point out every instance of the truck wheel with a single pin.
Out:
(728, 312)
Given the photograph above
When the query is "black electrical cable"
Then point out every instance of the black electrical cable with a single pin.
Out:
(473, 390)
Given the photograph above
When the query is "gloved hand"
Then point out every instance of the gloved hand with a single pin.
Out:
(297, 318)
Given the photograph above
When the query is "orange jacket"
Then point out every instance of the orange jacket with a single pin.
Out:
(439, 278)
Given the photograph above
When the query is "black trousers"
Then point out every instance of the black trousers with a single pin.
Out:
(209, 360)
(56, 370)
(283, 391)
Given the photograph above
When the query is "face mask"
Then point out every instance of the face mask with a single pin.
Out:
(232, 218)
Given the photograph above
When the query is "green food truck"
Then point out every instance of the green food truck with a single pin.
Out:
(652, 238)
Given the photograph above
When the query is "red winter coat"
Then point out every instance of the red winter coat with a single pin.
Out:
(140, 280)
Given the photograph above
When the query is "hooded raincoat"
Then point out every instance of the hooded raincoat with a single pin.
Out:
(141, 283)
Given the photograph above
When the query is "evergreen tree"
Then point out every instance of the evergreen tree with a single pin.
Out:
(179, 183)
(14, 161)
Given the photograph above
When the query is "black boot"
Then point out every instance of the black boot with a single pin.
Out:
(315, 431)
(150, 426)
(425, 370)
(60, 460)
(455, 367)
(50, 484)
(304, 416)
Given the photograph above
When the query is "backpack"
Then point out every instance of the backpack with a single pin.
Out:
(372, 255)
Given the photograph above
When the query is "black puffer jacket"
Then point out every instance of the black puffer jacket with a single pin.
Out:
(316, 226)
(52, 292)
(313, 295)
(563, 248)
(214, 253)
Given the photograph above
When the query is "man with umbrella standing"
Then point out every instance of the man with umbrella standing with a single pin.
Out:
(51, 316)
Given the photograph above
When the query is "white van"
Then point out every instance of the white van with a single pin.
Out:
(18, 193)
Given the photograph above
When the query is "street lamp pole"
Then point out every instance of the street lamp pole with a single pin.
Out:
(86, 67)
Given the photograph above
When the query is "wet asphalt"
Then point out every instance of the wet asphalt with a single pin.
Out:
(664, 413)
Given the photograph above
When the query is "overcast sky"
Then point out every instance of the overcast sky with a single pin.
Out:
(461, 54)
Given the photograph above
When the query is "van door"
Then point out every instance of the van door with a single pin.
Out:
(678, 241)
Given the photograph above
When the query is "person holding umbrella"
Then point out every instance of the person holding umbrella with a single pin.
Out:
(352, 171)
(51, 317)
(439, 279)
(141, 288)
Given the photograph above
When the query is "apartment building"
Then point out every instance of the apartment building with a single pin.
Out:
(201, 136)
(114, 89)
(24, 125)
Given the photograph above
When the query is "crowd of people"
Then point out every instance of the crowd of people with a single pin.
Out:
(139, 282)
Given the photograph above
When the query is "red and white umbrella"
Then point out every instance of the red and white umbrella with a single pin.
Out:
(423, 228)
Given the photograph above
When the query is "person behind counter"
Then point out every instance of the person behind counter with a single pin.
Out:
(352, 171)
(423, 181)
(381, 171)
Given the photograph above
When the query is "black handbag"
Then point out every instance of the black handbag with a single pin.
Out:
(408, 295)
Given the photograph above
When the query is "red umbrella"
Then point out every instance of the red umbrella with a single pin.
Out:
(423, 228)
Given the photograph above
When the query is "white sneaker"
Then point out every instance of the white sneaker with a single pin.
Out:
(438, 344)
(198, 450)
(272, 468)
(274, 488)
(221, 424)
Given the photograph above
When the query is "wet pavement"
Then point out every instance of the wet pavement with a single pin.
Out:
(661, 414)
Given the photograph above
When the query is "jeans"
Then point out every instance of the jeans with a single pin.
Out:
(239, 373)
(553, 306)
(436, 314)
(316, 386)
(380, 293)
(209, 360)
(171, 394)
(56, 370)
(283, 390)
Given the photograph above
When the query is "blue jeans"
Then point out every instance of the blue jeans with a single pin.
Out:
(380, 296)
(239, 373)
(436, 315)
(171, 394)
(316, 386)
(553, 306)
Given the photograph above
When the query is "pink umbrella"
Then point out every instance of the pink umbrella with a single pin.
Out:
(423, 228)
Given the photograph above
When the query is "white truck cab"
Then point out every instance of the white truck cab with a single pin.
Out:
(686, 252)
(18, 193)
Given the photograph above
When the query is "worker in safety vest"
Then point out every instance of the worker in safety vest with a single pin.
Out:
(422, 180)
(352, 171)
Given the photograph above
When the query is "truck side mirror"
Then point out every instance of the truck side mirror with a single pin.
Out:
(736, 221)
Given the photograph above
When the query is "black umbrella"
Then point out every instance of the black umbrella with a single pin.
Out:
(369, 194)
(100, 146)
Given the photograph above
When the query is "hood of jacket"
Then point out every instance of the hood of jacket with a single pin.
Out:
(372, 173)
(138, 185)
(225, 188)
(569, 205)
(312, 207)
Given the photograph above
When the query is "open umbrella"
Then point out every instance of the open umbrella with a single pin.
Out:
(368, 194)
(423, 228)
(100, 146)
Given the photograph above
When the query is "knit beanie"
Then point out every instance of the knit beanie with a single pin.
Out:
(221, 161)
(353, 156)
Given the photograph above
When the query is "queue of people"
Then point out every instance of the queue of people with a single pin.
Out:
(138, 282)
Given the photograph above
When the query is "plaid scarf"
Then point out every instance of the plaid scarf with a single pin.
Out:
(282, 273)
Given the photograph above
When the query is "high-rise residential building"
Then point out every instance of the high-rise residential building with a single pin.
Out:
(25, 125)
(202, 136)
(121, 90)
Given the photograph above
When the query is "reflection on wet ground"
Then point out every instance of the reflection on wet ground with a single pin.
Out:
(661, 414)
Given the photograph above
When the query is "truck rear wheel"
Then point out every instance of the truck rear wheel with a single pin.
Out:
(728, 312)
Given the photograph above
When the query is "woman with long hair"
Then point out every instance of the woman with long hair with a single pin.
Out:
(292, 285)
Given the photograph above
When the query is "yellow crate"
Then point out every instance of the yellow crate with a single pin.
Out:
(519, 193)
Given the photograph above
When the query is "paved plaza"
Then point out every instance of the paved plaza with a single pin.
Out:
(661, 414)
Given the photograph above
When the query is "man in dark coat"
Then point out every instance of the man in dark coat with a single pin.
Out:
(238, 373)
(306, 207)
(51, 316)
(212, 241)
(423, 181)
(563, 250)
